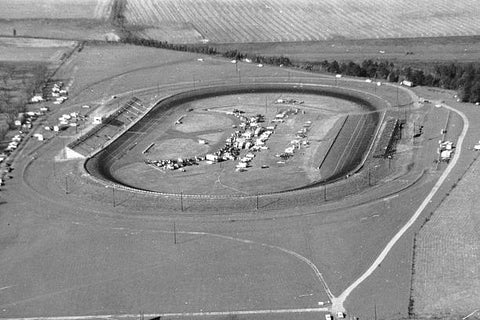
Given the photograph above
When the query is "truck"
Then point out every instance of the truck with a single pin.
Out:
(407, 83)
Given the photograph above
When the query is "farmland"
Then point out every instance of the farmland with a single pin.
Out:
(55, 9)
(283, 20)
(50, 19)
(48, 51)
(422, 51)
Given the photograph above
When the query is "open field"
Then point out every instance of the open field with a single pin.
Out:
(78, 29)
(51, 51)
(55, 9)
(61, 19)
(70, 246)
(304, 20)
(447, 254)
(445, 273)
(421, 50)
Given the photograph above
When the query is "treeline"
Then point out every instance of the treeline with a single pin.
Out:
(205, 49)
(464, 78)
(368, 68)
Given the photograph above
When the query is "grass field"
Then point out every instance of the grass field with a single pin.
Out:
(445, 274)
(28, 50)
(304, 20)
(423, 50)
(55, 9)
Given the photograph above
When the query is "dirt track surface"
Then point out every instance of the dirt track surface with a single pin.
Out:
(69, 246)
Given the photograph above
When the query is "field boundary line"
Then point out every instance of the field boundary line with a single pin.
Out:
(175, 314)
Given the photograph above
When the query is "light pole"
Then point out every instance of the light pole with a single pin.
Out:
(181, 200)
(113, 196)
(174, 233)
(66, 184)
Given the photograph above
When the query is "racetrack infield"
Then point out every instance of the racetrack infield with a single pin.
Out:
(175, 126)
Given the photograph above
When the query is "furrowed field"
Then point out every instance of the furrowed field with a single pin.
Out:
(226, 21)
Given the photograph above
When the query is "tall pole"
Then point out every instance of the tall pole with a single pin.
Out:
(174, 233)
(325, 193)
(397, 98)
(265, 106)
(113, 196)
(375, 311)
(66, 184)
(181, 200)
(257, 203)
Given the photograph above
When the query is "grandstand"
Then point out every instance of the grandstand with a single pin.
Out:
(110, 127)
(388, 139)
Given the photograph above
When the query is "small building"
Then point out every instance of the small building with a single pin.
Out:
(211, 157)
(36, 99)
(242, 165)
(97, 119)
(445, 155)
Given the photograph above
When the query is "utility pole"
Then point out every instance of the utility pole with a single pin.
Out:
(66, 184)
(265, 106)
(397, 98)
(325, 192)
(181, 200)
(174, 233)
(256, 208)
(369, 177)
(113, 196)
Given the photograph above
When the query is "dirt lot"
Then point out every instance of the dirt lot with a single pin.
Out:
(70, 246)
